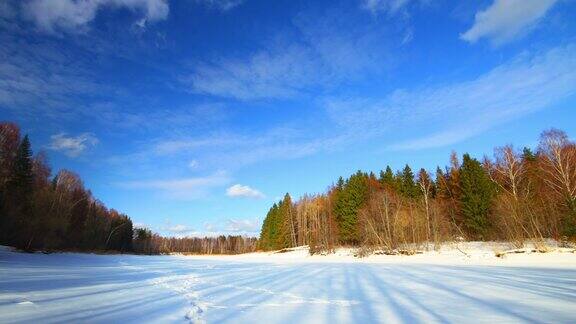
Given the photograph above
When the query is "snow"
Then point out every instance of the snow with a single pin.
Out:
(292, 287)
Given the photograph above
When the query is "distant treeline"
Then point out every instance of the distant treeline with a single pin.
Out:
(514, 196)
(41, 212)
(150, 243)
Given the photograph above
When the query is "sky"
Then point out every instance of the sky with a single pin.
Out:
(194, 116)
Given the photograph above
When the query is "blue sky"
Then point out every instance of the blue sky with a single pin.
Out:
(194, 116)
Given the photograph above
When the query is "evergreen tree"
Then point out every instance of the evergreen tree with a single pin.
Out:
(277, 231)
(20, 191)
(286, 236)
(268, 233)
(23, 178)
(340, 183)
(348, 203)
(528, 155)
(477, 192)
(387, 178)
(408, 187)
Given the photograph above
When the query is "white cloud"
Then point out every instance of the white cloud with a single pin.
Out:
(232, 226)
(185, 188)
(506, 20)
(35, 76)
(187, 144)
(209, 227)
(73, 16)
(266, 74)
(179, 229)
(331, 51)
(222, 5)
(529, 82)
(140, 225)
(239, 190)
(242, 225)
(193, 164)
(72, 146)
(388, 6)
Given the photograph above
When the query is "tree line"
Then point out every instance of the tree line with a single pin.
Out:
(150, 243)
(39, 211)
(513, 196)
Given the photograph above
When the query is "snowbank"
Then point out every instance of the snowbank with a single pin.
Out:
(457, 253)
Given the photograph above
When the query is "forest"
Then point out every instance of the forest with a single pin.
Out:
(39, 211)
(514, 196)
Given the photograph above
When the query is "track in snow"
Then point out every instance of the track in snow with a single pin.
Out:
(73, 287)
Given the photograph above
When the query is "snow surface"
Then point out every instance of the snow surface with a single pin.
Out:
(444, 286)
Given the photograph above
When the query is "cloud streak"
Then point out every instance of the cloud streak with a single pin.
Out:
(179, 229)
(527, 83)
(242, 225)
(328, 53)
(73, 16)
(221, 5)
(182, 188)
(388, 6)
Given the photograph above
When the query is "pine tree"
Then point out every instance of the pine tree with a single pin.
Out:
(387, 178)
(340, 184)
(348, 203)
(408, 187)
(528, 155)
(23, 178)
(287, 234)
(277, 229)
(20, 189)
(269, 230)
(477, 192)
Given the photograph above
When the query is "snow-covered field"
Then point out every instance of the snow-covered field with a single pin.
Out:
(291, 287)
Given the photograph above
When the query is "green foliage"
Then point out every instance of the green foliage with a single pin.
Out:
(477, 192)
(387, 178)
(37, 213)
(349, 200)
(340, 183)
(275, 233)
(528, 155)
(408, 188)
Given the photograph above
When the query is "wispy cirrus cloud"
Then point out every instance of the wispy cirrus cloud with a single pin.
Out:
(506, 20)
(234, 150)
(180, 188)
(222, 5)
(387, 6)
(52, 16)
(243, 225)
(39, 74)
(72, 146)
(179, 230)
(265, 74)
(458, 111)
(243, 191)
(328, 53)
(229, 226)
(233, 226)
